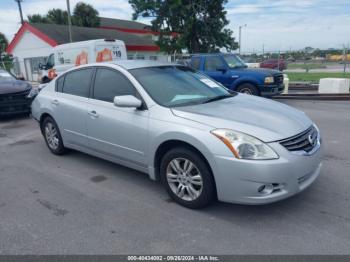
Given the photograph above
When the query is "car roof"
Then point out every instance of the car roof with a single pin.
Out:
(212, 54)
(133, 64)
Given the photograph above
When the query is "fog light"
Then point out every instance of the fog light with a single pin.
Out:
(266, 189)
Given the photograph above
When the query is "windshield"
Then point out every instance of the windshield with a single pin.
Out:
(234, 61)
(5, 76)
(172, 86)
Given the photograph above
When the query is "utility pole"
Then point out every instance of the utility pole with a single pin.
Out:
(69, 23)
(20, 10)
(263, 53)
(240, 34)
(344, 58)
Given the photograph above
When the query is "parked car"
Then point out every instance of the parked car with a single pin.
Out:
(274, 64)
(251, 62)
(69, 55)
(233, 73)
(15, 95)
(183, 128)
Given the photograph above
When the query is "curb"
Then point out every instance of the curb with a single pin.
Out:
(328, 97)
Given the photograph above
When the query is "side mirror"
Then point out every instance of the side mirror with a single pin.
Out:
(127, 101)
(221, 69)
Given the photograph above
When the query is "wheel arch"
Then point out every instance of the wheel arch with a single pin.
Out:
(169, 144)
(245, 81)
(43, 116)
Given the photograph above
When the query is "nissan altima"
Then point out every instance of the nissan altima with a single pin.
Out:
(182, 128)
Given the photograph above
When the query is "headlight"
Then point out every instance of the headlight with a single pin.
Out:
(244, 146)
(269, 80)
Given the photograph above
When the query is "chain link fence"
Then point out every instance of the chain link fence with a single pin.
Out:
(329, 61)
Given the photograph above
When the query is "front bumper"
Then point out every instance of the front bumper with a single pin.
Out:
(239, 181)
(11, 104)
(271, 90)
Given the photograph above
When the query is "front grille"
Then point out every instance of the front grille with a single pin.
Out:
(15, 102)
(278, 79)
(305, 141)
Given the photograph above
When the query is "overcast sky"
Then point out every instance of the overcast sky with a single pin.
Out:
(276, 24)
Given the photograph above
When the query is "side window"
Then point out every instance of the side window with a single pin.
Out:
(212, 63)
(78, 82)
(195, 62)
(59, 84)
(111, 83)
(50, 61)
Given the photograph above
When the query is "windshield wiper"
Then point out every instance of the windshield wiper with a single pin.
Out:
(217, 98)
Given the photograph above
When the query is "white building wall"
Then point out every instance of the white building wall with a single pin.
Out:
(30, 46)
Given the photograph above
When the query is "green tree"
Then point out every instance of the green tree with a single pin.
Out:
(200, 25)
(85, 15)
(3, 43)
(5, 59)
(36, 18)
(57, 16)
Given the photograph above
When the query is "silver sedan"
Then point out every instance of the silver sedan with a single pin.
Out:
(182, 128)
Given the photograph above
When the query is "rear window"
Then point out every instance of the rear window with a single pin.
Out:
(78, 82)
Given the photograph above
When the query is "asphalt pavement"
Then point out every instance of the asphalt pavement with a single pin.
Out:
(79, 204)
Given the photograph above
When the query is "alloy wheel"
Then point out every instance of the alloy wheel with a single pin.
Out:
(184, 179)
(51, 136)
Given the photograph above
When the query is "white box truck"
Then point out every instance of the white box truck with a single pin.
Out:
(69, 55)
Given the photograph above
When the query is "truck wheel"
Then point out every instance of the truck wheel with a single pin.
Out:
(248, 89)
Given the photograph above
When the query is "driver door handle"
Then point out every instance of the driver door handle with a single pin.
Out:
(93, 114)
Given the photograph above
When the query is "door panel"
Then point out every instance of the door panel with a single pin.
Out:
(71, 104)
(211, 64)
(118, 132)
(70, 115)
(114, 131)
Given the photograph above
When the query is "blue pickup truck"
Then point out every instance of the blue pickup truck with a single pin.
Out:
(233, 73)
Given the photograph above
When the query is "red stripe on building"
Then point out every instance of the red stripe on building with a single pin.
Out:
(142, 48)
(26, 27)
(128, 30)
(135, 31)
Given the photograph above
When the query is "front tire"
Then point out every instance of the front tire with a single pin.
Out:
(187, 178)
(53, 136)
(248, 89)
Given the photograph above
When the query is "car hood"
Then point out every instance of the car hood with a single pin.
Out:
(13, 86)
(262, 118)
(264, 71)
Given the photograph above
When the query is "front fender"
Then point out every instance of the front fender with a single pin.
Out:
(189, 138)
(244, 79)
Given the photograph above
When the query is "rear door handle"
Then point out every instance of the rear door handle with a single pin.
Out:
(55, 102)
(93, 114)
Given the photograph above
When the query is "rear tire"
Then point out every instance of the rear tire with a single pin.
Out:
(187, 178)
(53, 136)
(248, 89)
